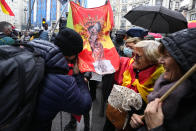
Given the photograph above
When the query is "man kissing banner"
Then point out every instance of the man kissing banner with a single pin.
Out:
(94, 25)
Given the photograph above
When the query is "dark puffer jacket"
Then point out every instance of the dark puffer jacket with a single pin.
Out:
(59, 92)
(182, 46)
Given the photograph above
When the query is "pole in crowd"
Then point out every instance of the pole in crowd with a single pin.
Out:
(58, 20)
(183, 78)
(30, 13)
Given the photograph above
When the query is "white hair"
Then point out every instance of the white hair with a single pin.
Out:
(150, 49)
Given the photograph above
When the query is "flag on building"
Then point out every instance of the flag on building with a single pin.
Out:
(94, 25)
(5, 8)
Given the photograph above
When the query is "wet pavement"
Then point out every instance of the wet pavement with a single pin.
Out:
(97, 117)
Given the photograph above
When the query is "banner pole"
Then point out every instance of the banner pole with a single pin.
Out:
(30, 12)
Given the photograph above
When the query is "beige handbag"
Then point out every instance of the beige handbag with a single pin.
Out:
(120, 101)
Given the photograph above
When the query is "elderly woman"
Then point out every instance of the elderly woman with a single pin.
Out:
(177, 112)
(129, 46)
(139, 73)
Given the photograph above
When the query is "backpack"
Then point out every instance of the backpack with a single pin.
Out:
(21, 72)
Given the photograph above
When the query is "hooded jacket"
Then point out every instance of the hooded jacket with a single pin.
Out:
(181, 46)
(59, 92)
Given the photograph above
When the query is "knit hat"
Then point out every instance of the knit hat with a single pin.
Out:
(69, 42)
(181, 46)
(137, 32)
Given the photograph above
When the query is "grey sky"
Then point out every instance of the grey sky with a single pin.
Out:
(95, 3)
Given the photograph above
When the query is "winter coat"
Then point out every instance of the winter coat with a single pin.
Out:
(6, 40)
(58, 92)
(44, 35)
(182, 47)
(118, 45)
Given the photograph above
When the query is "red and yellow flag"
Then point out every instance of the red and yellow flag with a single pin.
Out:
(5, 8)
(94, 25)
(145, 81)
(192, 24)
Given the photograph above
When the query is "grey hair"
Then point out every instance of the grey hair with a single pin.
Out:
(4, 25)
(150, 49)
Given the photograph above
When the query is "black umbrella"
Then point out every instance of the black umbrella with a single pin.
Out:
(157, 19)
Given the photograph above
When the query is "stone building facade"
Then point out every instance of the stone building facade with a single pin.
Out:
(189, 9)
(20, 9)
(121, 7)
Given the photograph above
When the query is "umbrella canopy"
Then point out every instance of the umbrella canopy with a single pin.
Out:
(137, 32)
(192, 24)
(157, 19)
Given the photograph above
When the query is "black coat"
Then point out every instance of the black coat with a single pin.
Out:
(117, 45)
(59, 92)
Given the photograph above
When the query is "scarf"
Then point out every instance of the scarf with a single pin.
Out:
(171, 103)
(145, 81)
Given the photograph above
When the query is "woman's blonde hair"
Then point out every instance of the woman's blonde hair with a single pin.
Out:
(150, 49)
(133, 39)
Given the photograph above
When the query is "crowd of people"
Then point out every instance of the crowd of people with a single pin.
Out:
(149, 67)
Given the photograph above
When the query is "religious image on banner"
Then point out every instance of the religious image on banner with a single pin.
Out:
(94, 25)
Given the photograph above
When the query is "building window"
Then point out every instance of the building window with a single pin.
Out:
(159, 2)
(177, 5)
(171, 5)
(193, 17)
(147, 3)
(124, 1)
(123, 24)
(194, 4)
(124, 8)
(114, 9)
(133, 6)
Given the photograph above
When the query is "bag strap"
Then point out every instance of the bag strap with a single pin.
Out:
(28, 47)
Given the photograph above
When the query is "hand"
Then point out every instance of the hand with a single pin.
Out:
(153, 114)
(85, 79)
(136, 121)
(75, 68)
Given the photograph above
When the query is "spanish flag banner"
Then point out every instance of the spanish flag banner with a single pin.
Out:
(5, 8)
(94, 25)
(192, 24)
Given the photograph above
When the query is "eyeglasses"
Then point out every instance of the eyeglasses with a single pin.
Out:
(137, 56)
